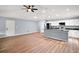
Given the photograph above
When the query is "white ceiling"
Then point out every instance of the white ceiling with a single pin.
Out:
(44, 12)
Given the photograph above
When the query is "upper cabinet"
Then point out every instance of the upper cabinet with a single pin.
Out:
(70, 22)
(74, 22)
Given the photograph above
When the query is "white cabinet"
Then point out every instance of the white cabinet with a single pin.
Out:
(74, 33)
(74, 22)
(56, 23)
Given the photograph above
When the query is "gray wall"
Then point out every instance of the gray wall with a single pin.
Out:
(2, 25)
(25, 27)
(21, 26)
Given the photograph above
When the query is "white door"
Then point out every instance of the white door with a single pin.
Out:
(10, 27)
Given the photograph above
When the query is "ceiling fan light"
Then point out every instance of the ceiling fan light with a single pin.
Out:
(29, 10)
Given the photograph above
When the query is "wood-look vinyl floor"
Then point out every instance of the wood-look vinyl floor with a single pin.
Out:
(37, 43)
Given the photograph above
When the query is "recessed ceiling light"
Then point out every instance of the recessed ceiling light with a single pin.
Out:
(67, 9)
(49, 16)
(35, 17)
(57, 15)
(52, 17)
(43, 11)
(53, 10)
(69, 14)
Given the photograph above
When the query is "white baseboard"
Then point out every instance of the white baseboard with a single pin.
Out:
(16, 35)
(2, 33)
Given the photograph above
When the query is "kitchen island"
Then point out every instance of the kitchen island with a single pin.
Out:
(56, 34)
(59, 32)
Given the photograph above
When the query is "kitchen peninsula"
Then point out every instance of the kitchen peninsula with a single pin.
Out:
(59, 32)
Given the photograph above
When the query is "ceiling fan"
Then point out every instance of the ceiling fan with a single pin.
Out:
(30, 8)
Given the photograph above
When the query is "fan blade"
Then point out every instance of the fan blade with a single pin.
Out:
(32, 10)
(26, 6)
(35, 9)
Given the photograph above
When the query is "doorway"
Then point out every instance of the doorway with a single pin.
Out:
(10, 27)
